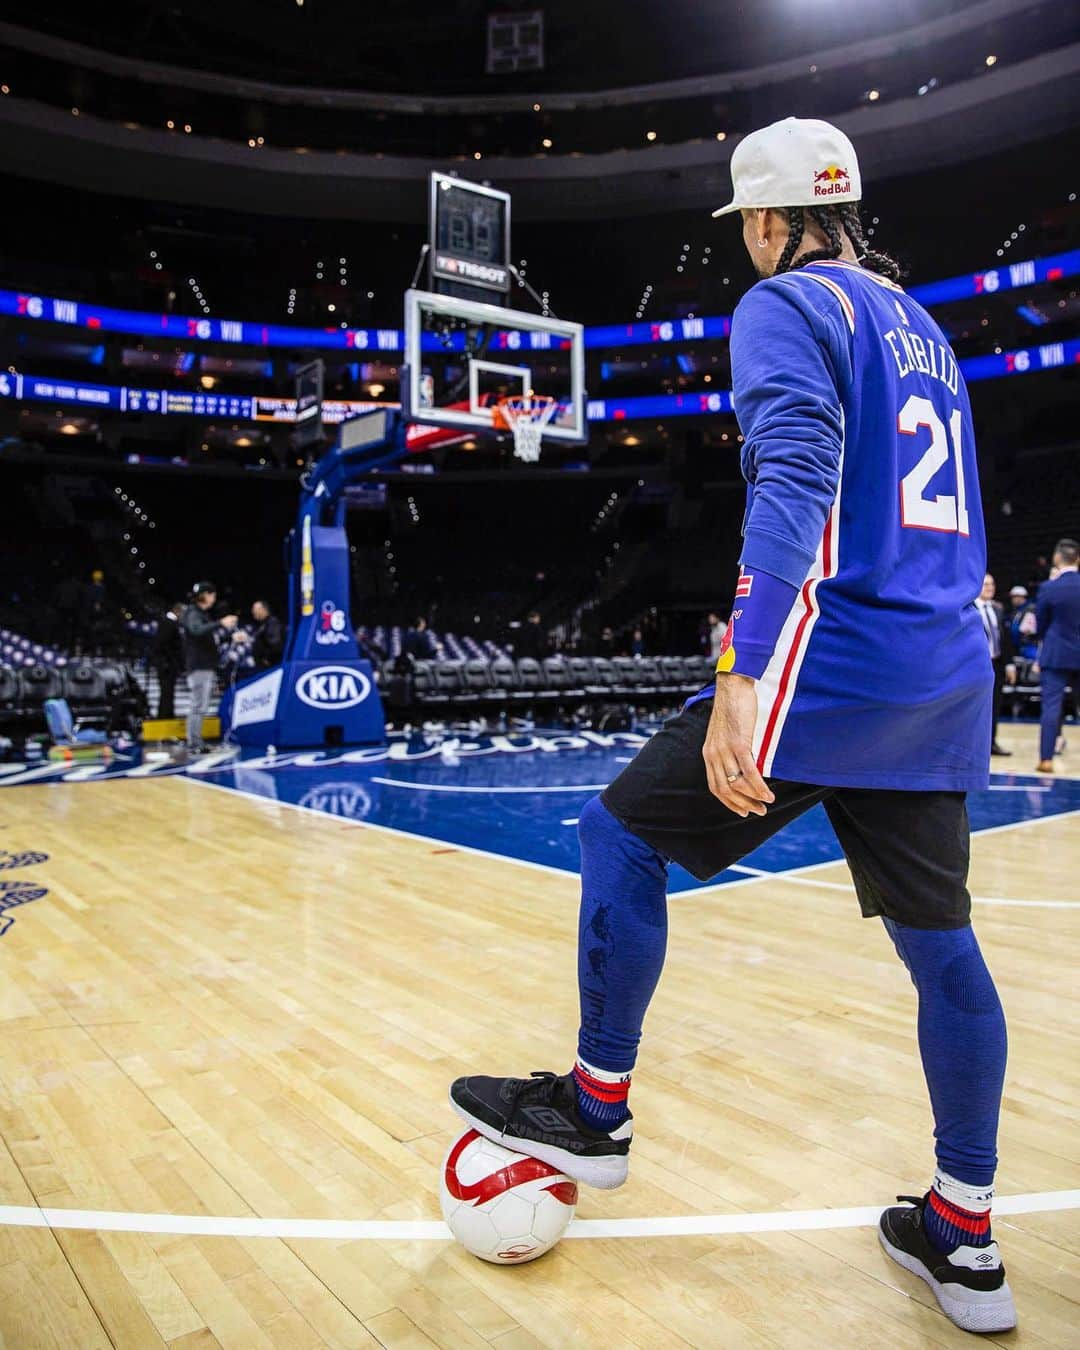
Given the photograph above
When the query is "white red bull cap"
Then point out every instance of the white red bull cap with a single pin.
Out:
(797, 162)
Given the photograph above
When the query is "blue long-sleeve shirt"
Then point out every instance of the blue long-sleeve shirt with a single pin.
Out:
(863, 543)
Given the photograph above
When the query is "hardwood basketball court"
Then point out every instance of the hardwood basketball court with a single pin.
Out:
(232, 1016)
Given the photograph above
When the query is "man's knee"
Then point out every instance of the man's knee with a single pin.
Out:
(603, 835)
(947, 962)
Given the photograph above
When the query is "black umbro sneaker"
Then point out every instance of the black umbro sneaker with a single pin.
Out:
(538, 1116)
(968, 1282)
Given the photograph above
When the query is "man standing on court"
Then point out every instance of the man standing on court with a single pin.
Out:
(201, 657)
(1000, 645)
(853, 673)
(1058, 617)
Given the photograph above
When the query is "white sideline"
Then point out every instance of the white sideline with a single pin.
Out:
(423, 1230)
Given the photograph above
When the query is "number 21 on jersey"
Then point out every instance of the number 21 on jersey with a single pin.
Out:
(945, 513)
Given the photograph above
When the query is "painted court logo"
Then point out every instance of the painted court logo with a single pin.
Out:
(25, 859)
(12, 895)
(831, 180)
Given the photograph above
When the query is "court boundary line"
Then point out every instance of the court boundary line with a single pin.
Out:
(794, 873)
(380, 829)
(446, 843)
(426, 1230)
(469, 787)
(758, 875)
(849, 886)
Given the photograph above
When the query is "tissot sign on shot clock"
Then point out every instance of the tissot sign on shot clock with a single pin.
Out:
(470, 237)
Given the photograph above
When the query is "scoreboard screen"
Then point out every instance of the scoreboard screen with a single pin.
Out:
(470, 237)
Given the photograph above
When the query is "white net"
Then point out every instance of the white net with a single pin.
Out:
(527, 417)
(528, 438)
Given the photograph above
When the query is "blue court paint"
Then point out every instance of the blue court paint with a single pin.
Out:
(484, 802)
(517, 796)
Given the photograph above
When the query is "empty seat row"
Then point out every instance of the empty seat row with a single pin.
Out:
(557, 679)
(101, 690)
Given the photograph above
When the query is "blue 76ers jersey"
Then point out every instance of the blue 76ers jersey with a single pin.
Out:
(864, 494)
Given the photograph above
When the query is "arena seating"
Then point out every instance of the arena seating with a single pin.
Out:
(16, 650)
(99, 693)
(553, 687)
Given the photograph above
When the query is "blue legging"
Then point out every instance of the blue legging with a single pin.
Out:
(622, 938)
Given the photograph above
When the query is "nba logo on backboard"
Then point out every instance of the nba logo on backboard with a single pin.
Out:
(427, 391)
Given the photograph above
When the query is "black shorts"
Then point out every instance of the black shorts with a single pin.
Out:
(908, 851)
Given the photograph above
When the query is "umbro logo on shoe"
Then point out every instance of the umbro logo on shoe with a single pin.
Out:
(545, 1118)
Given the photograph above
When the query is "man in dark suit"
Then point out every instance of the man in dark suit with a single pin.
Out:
(1058, 616)
(1000, 644)
(167, 658)
(269, 640)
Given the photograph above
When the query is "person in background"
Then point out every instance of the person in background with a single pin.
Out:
(201, 657)
(370, 650)
(1022, 623)
(419, 642)
(637, 643)
(999, 643)
(532, 640)
(167, 658)
(1058, 616)
(713, 636)
(269, 639)
(66, 609)
(605, 645)
(95, 614)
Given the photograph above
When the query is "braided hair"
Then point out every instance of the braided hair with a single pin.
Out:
(831, 220)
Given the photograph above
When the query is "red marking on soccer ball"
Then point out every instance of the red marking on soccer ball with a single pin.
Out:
(498, 1183)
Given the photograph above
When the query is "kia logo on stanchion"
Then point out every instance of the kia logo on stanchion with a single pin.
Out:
(332, 687)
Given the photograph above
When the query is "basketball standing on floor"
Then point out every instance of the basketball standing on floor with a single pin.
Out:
(853, 672)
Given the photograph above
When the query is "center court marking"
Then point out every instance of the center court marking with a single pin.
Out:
(424, 1230)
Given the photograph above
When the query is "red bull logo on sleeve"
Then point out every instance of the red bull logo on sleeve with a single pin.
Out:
(831, 180)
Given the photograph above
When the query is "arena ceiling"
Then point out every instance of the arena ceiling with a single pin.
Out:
(423, 46)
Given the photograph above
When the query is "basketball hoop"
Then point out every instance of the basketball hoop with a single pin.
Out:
(526, 415)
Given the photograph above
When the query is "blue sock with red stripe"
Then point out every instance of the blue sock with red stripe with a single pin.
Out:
(601, 1096)
(957, 1215)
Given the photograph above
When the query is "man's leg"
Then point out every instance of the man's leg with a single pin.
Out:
(962, 1041)
(199, 682)
(166, 692)
(999, 685)
(908, 853)
(1052, 696)
(622, 939)
(659, 808)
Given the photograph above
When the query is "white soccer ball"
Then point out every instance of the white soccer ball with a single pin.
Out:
(503, 1206)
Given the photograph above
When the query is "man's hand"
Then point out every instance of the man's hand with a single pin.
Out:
(729, 761)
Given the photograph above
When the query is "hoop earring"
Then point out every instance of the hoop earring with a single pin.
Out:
(762, 243)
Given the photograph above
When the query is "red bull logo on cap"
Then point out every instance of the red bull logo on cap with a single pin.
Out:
(831, 180)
